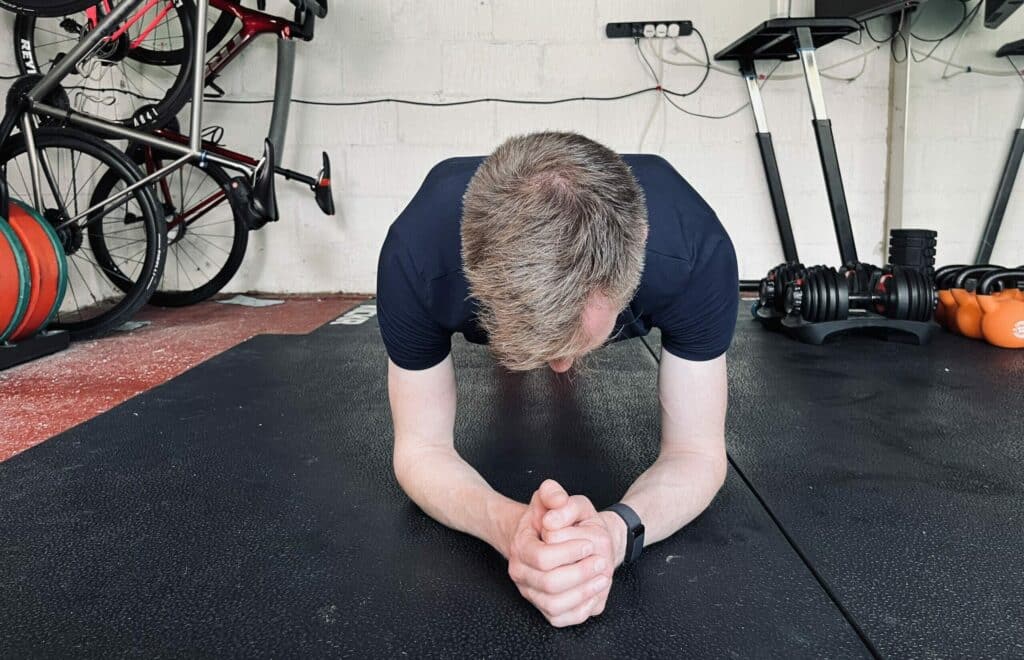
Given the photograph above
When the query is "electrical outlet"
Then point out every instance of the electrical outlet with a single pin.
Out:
(648, 29)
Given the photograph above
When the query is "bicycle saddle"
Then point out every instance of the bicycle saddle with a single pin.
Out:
(263, 203)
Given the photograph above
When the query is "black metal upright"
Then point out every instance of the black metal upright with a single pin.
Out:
(1001, 198)
(791, 39)
(771, 164)
(1008, 178)
(1006, 181)
(827, 148)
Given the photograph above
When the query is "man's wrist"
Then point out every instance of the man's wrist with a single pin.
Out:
(619, 534)
(509, 513)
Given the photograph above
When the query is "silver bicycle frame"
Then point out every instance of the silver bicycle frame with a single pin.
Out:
(192, 152)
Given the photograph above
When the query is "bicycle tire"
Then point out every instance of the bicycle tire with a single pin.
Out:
(98, 316)
(135, 108)
(184, 265)
(218, 30)
(45, 7)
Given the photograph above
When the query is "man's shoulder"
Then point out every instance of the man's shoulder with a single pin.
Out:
(429, 224)
(681, 222)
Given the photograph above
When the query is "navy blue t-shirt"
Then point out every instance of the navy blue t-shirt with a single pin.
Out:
(689, 288)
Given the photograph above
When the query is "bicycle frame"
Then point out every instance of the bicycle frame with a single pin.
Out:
(201, 208)
(92, 15)
(254, 23)
(191, 152)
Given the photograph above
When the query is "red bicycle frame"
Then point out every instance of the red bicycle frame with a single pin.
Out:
(254, 23)
(198, 210)
(92, 15)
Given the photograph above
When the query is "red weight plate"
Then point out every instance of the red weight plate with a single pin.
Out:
(14, 281)
(44, 267)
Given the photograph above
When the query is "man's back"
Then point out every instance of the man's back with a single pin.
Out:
(688, 287)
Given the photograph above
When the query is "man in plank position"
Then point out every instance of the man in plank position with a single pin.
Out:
(547, 249)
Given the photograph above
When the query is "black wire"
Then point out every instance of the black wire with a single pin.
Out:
(906, 48)
(447, 104)
(737, 111)
(963, 17)
(437, 104)
(860, 39)
(867, 29)
(707, 68)
(1009, 58)
(639, 49)
(961, 25)
(704, 79)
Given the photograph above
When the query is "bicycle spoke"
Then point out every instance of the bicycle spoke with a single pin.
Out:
(213, 244)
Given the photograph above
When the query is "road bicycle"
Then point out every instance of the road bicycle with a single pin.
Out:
(113, 218)
(140, 74)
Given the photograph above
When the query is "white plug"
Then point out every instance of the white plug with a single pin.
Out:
(673, 30)
(661, 30)
(649, 31)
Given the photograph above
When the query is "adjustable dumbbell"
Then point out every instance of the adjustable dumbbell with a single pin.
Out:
(772, 292)
(824, 294)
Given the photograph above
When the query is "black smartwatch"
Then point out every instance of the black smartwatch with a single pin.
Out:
(634, 531)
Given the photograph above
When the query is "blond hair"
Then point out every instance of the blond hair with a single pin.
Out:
(549, 220)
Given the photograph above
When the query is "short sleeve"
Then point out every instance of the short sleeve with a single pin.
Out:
(700, 322)
(413, 339)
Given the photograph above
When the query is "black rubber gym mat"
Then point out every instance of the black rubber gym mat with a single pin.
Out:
(248, 508)
(897, 471)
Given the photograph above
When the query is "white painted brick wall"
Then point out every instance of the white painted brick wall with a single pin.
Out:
(458, 49)
(960, 135)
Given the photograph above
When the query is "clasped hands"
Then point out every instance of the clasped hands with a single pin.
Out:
(563, 554)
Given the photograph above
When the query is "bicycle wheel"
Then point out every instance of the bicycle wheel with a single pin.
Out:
(206, 238)
(218, 25)
(98, 298)
(45, 7)
(113, 83)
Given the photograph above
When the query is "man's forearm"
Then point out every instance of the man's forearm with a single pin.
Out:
(450, 491)
(674, 491)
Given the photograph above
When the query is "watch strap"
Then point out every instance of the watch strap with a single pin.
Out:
(634, 531)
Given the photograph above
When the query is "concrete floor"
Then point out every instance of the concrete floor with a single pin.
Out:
(43, 398)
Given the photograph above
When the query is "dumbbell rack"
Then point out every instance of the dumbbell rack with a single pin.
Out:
(862, 321)
(40, 345)
(787, 40)
(859, 320)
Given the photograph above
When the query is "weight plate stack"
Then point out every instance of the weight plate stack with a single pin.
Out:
(47, 268)
(913, 248)
(821, 295)
(826, 296)
(15, 282)
(906, 294)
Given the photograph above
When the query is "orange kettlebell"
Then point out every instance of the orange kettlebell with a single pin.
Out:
(966, 318)
(943, 280)
(1003, 323)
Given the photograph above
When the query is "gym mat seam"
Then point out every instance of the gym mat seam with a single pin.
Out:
(820, 579)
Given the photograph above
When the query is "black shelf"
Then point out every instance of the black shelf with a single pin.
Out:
(777, 39)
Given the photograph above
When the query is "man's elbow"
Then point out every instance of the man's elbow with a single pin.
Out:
(409, 460)
(402, 465)
(719, 470)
